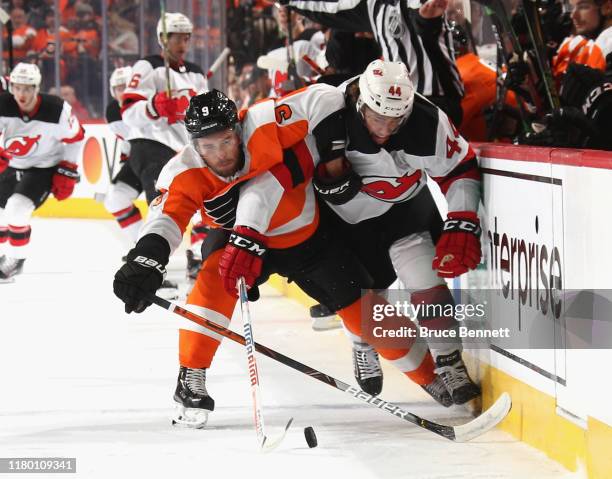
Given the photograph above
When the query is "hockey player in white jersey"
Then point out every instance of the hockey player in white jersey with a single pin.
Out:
(38, 156)
(395, 139)
(125, 186)
(154, 105)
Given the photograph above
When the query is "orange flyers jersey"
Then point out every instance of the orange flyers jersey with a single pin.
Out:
(480, 81)
(284, 209)
(297, 124)
(314, 110)
(578, 49)
(281, 202)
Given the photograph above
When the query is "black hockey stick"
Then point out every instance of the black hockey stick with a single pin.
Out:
(531, 12)
(464, 432)
(8, 24)
(504, 35)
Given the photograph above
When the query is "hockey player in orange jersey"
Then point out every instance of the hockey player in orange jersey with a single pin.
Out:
(591, 44)
(212, 175)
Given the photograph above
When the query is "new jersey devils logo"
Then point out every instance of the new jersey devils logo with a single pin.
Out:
(22, 145)
(391, 189)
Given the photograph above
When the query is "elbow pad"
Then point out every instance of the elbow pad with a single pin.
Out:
(340, 190)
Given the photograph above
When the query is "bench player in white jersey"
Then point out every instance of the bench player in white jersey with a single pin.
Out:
(154, 116)
(278, 159)
(41, 140)
(126, 187)
(395, 139)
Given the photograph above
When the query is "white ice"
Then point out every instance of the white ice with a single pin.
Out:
(83, 379)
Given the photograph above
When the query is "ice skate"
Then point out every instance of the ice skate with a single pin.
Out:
(452, 370)
(9, 268)
(193, 401)
(368, 372)
(194, 263)
(323, 319)
(437, 390)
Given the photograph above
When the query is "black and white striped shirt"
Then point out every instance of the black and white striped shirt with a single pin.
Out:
(424, 45)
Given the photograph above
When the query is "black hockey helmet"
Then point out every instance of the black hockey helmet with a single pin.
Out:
(209, 113)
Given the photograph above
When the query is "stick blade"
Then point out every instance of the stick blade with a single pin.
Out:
(486, 421)
(267, 62)
(268, 445)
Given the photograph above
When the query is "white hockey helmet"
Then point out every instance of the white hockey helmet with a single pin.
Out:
(386, 88)
(25, 74)
(120, 77)
(175, 23)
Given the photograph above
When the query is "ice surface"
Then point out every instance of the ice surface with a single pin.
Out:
(83, 379)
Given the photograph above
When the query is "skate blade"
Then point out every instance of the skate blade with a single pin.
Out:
(326, 323)
(191, 418)
(7, 280)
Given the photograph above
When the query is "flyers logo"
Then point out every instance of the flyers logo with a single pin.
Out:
(282, 113)
(391, 189)
(22, 145)
(222, 208)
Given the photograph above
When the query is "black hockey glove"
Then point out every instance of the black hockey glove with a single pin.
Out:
(578, 81)
(339, 190)
(143, 273)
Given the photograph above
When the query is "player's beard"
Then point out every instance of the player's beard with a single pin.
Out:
(231, 169)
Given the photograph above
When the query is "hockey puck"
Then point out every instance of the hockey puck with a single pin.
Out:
(310, 436)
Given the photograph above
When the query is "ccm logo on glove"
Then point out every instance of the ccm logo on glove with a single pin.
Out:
(247, 244)
(462, 226)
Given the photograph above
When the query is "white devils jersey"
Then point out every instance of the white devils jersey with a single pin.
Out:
(300, 48)
(118, 126)
(148, 79)
(42, 138)
(426, 144)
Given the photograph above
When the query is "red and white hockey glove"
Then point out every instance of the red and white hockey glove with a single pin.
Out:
(64, 180)
(5, 158)
(458, 249)
(171, 108)
(243, 256)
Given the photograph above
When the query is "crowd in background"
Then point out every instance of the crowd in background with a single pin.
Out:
(130, 29)
(261, 28)
(503, 101)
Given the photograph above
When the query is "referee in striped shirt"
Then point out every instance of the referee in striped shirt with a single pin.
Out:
(407, 31)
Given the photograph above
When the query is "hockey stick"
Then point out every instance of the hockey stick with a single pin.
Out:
(217, 63)
(503, 31)
(465, 432)
(162, 9)
(268, 62)
(260, 429)
(531, 13)
(5, 18)
(312, 64)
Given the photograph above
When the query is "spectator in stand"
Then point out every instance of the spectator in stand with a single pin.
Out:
(122, 36)
(87, 34)
(23, 35)
(44, 47)
(86, 65)
(68, 10)
(257, 84)
(37, 11)
(68, 94)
